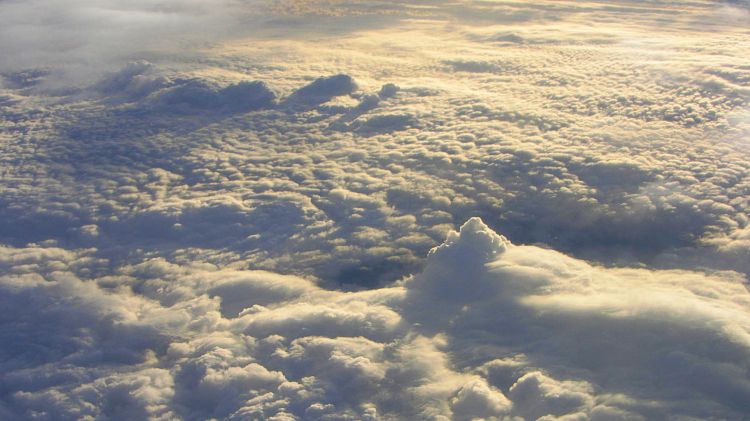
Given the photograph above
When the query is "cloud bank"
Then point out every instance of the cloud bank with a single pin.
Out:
(487, 330)
(245, 210)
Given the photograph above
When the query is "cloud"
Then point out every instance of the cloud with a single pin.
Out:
(41, 33)
(255, 219)
(199, 95)
(134, 81)
(322, 90)
(386, 123)
(488, 329)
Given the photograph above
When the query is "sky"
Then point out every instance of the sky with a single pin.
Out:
(374, 210)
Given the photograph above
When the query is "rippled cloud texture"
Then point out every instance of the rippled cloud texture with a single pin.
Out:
(302, 210)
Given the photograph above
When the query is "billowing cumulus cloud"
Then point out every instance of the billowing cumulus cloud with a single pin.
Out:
(487, 330)
(369, 210)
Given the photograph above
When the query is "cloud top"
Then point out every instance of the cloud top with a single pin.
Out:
(548, 336)
(235, 210)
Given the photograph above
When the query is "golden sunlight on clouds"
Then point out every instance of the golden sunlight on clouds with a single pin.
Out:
(375, 210)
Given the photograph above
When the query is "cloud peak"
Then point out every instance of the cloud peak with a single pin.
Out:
(474, 240)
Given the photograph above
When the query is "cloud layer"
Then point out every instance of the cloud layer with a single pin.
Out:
(488, 330)
(256, 219)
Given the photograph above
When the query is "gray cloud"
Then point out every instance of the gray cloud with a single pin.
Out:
(488, 329)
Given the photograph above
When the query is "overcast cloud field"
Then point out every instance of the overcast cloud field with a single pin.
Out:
(374, 210)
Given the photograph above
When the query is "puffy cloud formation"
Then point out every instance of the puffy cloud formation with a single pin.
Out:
(197, 95)
(602, 142)
(323, 89)
(243, 210)
(488, 330)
